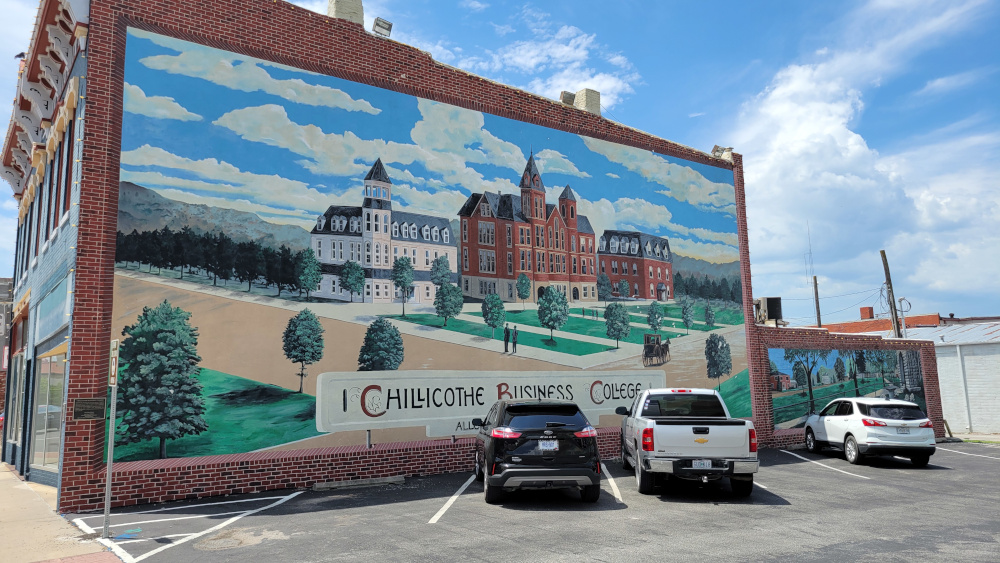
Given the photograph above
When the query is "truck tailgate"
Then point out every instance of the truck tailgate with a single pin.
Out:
(701, 438)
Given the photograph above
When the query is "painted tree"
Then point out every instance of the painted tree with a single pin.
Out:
(494, 313)
(718, 357)
(382, 349)
(679, 284)
(709, 314)
(309, 272)
(553, 310)
(249, 262)
(448, 302)
(352, 278)
(604, 288)
(523, 288)
(840, 369)
(654, 316)
(799, 375)
(441, 271)
(286, 269)
(402, 278)
(624, 289)
(617, 322)
(687, 315)
(302, 341)
(159, 396)
(221, 259)
(809, 359)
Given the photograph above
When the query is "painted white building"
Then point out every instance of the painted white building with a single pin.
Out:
(374, 236)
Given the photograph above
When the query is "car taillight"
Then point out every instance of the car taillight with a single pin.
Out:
(753, 440)
(927, 424)
(647, 439)
(587, 432)
(872, 422)
(504, 433)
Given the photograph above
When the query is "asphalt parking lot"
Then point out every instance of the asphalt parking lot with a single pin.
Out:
(805, 507)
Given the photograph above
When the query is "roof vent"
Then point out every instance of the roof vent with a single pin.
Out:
(350, 10)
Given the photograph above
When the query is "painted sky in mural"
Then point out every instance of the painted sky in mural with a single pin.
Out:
(213, 127)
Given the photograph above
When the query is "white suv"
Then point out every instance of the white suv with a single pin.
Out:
(868, 426)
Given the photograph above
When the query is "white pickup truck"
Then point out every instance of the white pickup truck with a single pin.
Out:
(687, 434)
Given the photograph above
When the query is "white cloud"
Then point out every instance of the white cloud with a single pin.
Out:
(697, 114)
(612, 175)
(246, 74)
(682, 182)
(473, 5)
(953, 82)
(502, 30)
(554, 162)
(161, 107)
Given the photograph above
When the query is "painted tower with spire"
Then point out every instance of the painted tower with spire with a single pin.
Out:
(502, 236)
(373, 236)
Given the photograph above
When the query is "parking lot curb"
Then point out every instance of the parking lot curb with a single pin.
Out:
(330, 485)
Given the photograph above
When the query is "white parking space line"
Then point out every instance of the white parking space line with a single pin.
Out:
(187, 506)
(826, 466)
(121, 553)
(156, 538)
(965, 453)
(451, 501)
(759, 485)
(178, 518)
(611, 481)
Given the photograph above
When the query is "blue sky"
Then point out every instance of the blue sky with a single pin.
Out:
(872, 124)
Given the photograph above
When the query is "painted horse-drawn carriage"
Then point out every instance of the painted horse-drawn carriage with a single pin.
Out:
(655, 352)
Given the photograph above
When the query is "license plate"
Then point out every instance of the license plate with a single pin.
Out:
(548, 445)
(902, 430)
(701, 464)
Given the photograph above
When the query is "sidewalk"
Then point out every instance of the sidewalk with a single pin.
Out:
(31, 531)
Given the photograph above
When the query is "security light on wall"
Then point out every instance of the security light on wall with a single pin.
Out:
(382, 27)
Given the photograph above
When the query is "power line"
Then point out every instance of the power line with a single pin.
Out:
(866, 291)
(866, 298)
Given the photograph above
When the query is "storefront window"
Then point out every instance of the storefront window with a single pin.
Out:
(48, 412)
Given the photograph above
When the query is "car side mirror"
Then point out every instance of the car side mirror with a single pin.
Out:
(622, 411)
(477, 422)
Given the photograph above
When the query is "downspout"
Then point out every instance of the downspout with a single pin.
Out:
(965, 385)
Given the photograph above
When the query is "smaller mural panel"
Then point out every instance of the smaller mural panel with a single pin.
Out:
(448, 401)
(804, 381)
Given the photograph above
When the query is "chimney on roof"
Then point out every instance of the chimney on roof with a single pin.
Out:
(867, 313)
(350, 10)
(588, 100)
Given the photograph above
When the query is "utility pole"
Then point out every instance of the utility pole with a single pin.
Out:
(819, 321)
(892, 300)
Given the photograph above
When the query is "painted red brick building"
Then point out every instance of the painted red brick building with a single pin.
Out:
(504, 235)
(641, 259)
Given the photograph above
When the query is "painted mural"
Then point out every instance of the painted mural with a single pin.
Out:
(276, 224)
(805, 381)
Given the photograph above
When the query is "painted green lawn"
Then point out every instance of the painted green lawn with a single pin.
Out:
(796, 405)
(727, 316)
(524, 338)
(578, 325)
(736, 392)
(242, 415)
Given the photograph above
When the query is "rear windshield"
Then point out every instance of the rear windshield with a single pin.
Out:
(683, 405)
(896, 412)
(543, 416)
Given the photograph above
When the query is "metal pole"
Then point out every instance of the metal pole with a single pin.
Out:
(819, 321)
(111, 460)
(965, 384)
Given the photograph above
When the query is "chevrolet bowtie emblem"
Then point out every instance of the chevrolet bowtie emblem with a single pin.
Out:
(701, 440)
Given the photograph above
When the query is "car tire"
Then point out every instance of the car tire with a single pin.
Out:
(590, 493)
(625, 462)
(478, 470)
(851, 451)
(491, 493)
(741, 487)
(920, 460)
(643, 479)
(811, 445)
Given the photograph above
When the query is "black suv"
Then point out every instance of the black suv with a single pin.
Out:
(537, 444)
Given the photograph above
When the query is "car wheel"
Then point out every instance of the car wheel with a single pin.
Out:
(491, 493)
(625, 463)
(811, 444)
(478, 471)
(920, 460)
(643, 479)
(590, 493)
(741, 487)
(851, 451)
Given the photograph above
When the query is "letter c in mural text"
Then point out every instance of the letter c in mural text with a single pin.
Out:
(597, 384)
(375, 401)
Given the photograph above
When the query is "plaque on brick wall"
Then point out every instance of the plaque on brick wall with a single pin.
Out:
(89, 409)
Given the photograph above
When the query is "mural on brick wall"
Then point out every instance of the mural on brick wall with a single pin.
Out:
(804, 381)
(276, 224)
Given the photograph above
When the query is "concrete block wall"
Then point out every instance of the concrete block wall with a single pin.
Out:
(970, 403)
